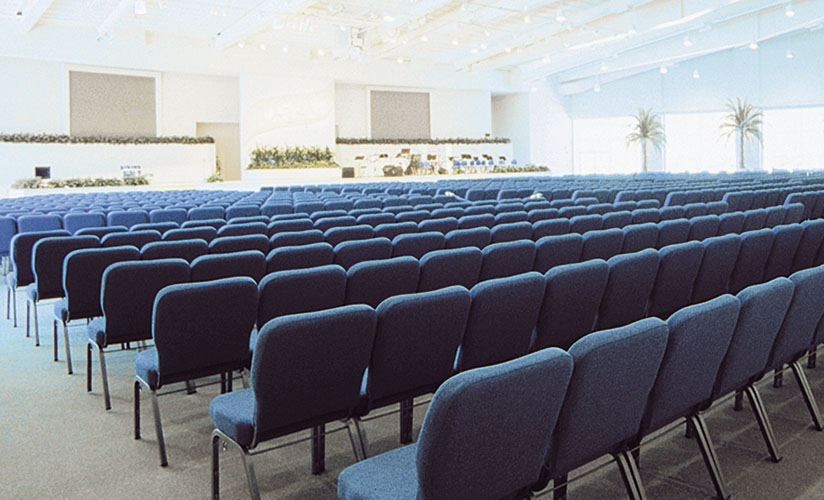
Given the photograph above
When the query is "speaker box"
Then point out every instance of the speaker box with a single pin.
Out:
(392, 171)
(347, 172)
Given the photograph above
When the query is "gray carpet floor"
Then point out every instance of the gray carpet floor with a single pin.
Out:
(57, 440)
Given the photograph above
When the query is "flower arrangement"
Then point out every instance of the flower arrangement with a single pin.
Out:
(101, 139)
(78, 182)
(453, 140)
(265, 157)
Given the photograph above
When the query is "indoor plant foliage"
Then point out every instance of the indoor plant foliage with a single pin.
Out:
(101, 139)
(744, 120)
(263, 157)
(78, 182)
(648, 130)
(452, 140)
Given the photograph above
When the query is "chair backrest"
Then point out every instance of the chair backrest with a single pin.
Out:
(670, 213)
(295, 238)
(510, 408)
(283, 226)
(101, 231)
(134, 238)
(417, 244)
(551, 227)
(47, 262)
(394, 229)
(336, 235)
(300, 291)
(671, 232)
(613, 374)
(82, 276)
(8, 228)
(808, 247)
(128, 292)
(375, 220)
(236, 211)
(127, 218)
(443, 268)
(803, 315)
(442, 225)
(763, 308)
(229, 244)
(731, 223)
(698, 340)
(703, 227)
(795, 213)
(349, 253)
(641, 215)
(785, 244)
(630, 282)
(202, 329)
(160, 227)
(507, 259)
(176, 215)
(511, 232)
(478, 237)
(188, 250)
(602, 244)
(775, 216)
(336, 344)
(73, 222)
(374, 281)
(39, 223)
(717, 264)
(299, 257)
(242, 229)
(480, 220)
(582, 223)
(204, 213)
(249, 263)
(415, 344)
(675, 278)
(617, 219)
(22, 245)
(205, 233)
(752, 259)
(754, 219)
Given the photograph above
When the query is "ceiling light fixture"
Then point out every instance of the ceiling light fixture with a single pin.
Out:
(687, 41)
(596, 88)
(753, 45)
(663, 69)
(140, 7)
(560, 17)
(388, 18)
(789, 54)
(546, 60)
(454, 42)
(788, 10)
(695, 74)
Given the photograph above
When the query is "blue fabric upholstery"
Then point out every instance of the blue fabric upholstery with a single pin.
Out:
(671, 232)
(417, 244)
(443, 268)
(542, 214)
(692, 210)
(671, 213)
(299, 257)
(703, 227)
(795, 213)
(583, 223)
(325, 214)
(551, 251)
(8, 228)
(241, 211)
(229, 244)
(501, 319)
(441, 225)
(762, 311)
(127, 294)
(134, 238)
(507, 259)
(511, 217)
(39, 223)
(242, 229)
(552, 227)
(330, 222)
(204, 213)
(199, 329)
(415, 344)
(375, 220)
(349, 253)
(47, 263)
(22, 248)
(73, 222)
(752, 259)
(127, 218)
(295, 238)
(322, 287)
(372, 282)
(513, 231)
(642, 215)
(573, 295)
(472, 221)
(337, 235)
(637, 237)
(282, 226)
(803, 315)
(631, 277)
(602, 244)
(808, 248)
(613, 375)
(160, 227)
(731, 222)
(478, 237)
(82, 277)
(775, 216)
(188, 250)
(616, 219)
(785, 244)
(176, 215)
(415, 216)
(754, 219)
(717, 264)
(213, 223)
(698, 340)
(510, 408)
(675, 278)
(205, 233)
(250, 263)
(391, 230)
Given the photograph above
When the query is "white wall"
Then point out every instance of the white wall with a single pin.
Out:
(33, 97)
(351, 110)
(188, 99)
(510, 118)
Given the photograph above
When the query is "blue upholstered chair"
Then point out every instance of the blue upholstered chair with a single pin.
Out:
(326, 214)
(283, 226)
(630, 282)
(671, 213)
(510, 408)
(775, 216)
(236, 211)
(582, 223)
(349, 253)
(176, 215)
(213, 223)
(322, 287)
(372, 282)
(306, 372)
(703, 227)
(442, 225)
(571, 300)
(73, 222)
(242, 229)
(127, 218)
(638, 237)
(330, 222)
(375, 220)
(205, 213)
(551, 227)
(22, 274)
(808, 248)
(614, 371)
(717, 264)
(187, 250)
(731, 223)
(230, 244)
(336, 235)
(415, 347)
(675, 278)
(295, 238)
(160, 227)
(513, 231)
(47, 265)
(299, 257)
(473, 221)
(443, 268)
(642, 215)
(8, 228)
(698, 340)
(249, 263)
(478, 237)
(754, 219)
(415, 216)
(39, 223)
(507, 259)
(133, 238)
(617, 220)
(536, 215)
(199, 329)
(752, 259)
(501, 320)
(602, 244)
(391, 230)
(552, 251)
(127, 293)
(784, 247)
(100, 231)
(417, 244)
(795, 213)
(671, 232)
(205, 233)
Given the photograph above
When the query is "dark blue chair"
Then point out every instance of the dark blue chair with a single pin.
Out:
(283, 226)
(795, 213)
(127, 218)
(552, 251)
(703, 227)
(552, 227)
(443, 268)
(39, 223)
(754, 219)
(127, 294)
(637, 237)
(570, 304)
(176, 215)
(584, 223)
(286, 397)
(230, 244)
(775, 216)
(295, 238)
(131, 238)
(375, 220)
(642, 215)
(330, 222)
(501, 320)
(630, 282)
(337, 235)
(510, 408)
(249, 263)
(417, 244)
(100, 231)
(205, 233)
(613, 374)
(242, 229)
(785, 244)
(537, 215)
(349, 253)
(199, 329)
(507, 259)
(752, 259)
(478, 237)
(300, 291)
(391, 230)
(731, 223)
(236, 211)
(473, 221)
(717, 264)
(808, 248)
(374, 281)
(206, 213)
(187, 250)
(299, 257)
(514, 231)
(160, 227)
(671, 232)
(602, 244)
(671, 213)
(73, 222)
(415, 216)
(675, 278)
(692, 210)
(442, 225)
(617, 220)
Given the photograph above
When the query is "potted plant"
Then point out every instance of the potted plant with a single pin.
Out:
(745, 121)
(648, 130)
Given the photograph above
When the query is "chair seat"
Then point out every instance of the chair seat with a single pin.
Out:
(145, 365)
(233, 413)
(31, 292)
(96, 329)
(11, 280)
(61, 310)
(389, 475)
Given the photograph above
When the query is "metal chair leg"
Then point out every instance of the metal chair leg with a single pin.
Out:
(708, 453)
(215, 466)
(251, 479)
(136, 409)
(630, 476)
(89, 367)
(36, 327)
(68, 348)
(318, 449)
(559, 488)
(191, 388)
(778, 378)
(738, 405)
(104, 376)
(54, 338)
(809, 398)
(27, 319)
(810, 358)
(763, 421)
(8, 303)
(406, 421)
(244, 378)
(161, 444)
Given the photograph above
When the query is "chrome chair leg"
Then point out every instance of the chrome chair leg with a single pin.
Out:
(161, 444)
(708, 453)
(36, 327)
(104, 377)
(27, 319)
(89, 367)
(763, 421)
(215, 466)
(14, 306)
(54, 338)
(251, 478)
(68, 348)
(806, 391)
(8, 303)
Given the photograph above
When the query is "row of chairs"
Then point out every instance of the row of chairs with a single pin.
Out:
(502, 431)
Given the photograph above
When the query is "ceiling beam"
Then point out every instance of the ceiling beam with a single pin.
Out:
(120, 10)
(32, 13)
(257, 18)
(442, 12)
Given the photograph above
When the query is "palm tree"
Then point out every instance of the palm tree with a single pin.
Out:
(648, 130)
(745, 120)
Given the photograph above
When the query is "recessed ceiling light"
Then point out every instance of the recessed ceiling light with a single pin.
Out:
(560, 17)
(321, 52)
(140, 7)
(596, 88)
(546, 59)
(454, 42)
(754, 46)
(663, 69)
(789, 54)
(687, 41)
(695, 74)
(788, 10)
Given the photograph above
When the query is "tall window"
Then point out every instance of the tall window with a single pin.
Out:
(601, 146)
(695, 143)
(794, 138)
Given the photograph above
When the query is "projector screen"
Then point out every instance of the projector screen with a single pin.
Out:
(116, 105)
(399, 115)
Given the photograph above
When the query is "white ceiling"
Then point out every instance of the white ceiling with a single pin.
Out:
(573, 41)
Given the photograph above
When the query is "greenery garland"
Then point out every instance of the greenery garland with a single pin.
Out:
(267, 157)
(78, 182)
(453, 140)
(101, 139)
